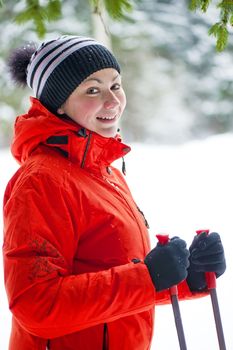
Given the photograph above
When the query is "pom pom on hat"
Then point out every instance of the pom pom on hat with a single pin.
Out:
(18, 62)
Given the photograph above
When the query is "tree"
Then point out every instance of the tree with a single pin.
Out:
(177, 87)
(219, 29)
(42, 12)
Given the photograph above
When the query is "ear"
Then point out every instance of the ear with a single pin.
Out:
(60, 111)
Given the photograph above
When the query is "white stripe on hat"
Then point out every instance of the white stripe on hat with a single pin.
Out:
(61, 43)
(38, 87)
(41, 51)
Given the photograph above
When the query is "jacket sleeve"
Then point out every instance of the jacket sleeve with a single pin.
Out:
(40, 240)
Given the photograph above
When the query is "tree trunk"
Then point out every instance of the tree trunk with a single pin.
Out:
(100, 29)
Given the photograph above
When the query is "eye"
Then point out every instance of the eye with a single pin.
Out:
(92, 91)
(116, 86)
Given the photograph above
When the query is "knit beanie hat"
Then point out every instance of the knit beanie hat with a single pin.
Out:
(55, 68)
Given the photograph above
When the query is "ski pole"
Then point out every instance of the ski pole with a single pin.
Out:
(163, 239)
(211, 284)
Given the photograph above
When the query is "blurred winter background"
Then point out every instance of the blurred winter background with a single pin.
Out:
(179, 123)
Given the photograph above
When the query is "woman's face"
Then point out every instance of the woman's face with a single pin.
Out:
(97, 103)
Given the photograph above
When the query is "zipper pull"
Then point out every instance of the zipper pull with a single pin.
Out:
(82, 133)
(141, 212)
(123, 166)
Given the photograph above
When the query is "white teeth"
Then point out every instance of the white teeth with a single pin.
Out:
(108, 118)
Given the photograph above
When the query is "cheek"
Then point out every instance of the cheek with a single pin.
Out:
(122, 99)
(89, 106)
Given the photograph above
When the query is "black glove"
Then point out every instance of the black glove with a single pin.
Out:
(167, 264)
(206, 255)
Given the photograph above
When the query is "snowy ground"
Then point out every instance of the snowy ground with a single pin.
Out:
(180, 189)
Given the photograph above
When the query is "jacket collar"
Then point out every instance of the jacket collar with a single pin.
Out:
(83, 147)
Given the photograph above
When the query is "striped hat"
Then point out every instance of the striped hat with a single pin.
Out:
(58, 66)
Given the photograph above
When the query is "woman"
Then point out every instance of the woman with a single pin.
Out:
(79, 273)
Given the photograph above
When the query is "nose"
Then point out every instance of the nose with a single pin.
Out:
(111, 101)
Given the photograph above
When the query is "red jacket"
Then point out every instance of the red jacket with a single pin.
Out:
(71, 230)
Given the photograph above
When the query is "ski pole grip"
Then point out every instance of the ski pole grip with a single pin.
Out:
(210, 276)
(163, 240)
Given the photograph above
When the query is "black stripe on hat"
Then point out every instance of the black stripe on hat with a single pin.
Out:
(47, 54)
(72, 71)
(54, 58)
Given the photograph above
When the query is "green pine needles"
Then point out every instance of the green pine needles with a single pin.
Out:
(42, 12)
(116, 9)
(39, 14)
(51, 10)
(220, 29)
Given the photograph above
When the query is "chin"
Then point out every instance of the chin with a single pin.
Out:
(108, 133)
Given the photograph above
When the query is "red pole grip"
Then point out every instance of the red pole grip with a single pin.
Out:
(163, 239)
(210, 280)
(198, 232)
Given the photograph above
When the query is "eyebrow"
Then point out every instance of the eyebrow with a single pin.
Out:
(99, 80)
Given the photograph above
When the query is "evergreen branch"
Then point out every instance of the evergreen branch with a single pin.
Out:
(205, 5)
(219, 29)
(31, 12)
(199, 4)
(222, 38)
(40, 26)
(214, 29)
(194, 5)
(231, 20)
(220, 32)
(54, 10)
(115, 9)
(226, 4)
(39, 14)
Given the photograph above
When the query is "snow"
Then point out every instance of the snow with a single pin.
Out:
(180, 189)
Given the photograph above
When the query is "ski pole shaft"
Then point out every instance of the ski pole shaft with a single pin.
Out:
(211, 284)
(163, 239)
(177, 317)
(217, 317)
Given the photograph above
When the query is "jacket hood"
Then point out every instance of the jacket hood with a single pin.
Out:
(40, 127)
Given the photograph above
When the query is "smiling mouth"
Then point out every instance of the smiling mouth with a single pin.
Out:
(107, 118)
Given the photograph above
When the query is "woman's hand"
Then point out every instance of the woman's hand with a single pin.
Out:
(167, 264)
(206, 255)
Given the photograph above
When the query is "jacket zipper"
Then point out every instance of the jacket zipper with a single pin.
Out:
(105, 340)
(85, 151)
